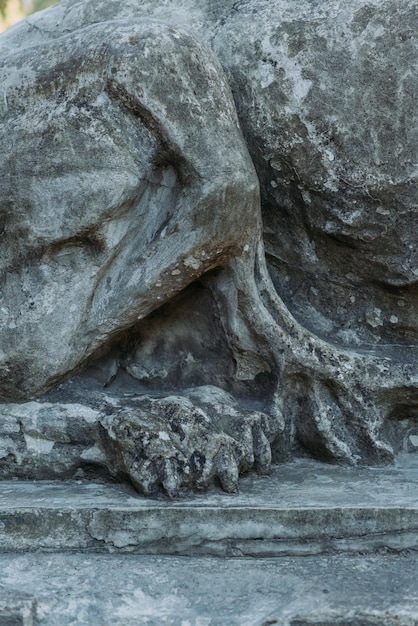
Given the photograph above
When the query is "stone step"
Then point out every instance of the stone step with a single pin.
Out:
(130, 590)
(303, 508)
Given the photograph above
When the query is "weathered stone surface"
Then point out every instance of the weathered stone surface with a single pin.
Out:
(144, 183)
(174, 442)
(306, 508)
(326, 98)
(303, 508)
(321, 346)
(17, 608)
(113, 589)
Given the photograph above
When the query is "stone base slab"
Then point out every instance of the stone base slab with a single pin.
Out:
(131, 590)
(303, 508)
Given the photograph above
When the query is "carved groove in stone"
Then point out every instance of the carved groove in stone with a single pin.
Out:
(136, 302)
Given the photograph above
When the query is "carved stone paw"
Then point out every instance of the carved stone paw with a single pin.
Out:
(179, 442)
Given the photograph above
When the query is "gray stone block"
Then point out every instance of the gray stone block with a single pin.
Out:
(16, 608)
(303, 508)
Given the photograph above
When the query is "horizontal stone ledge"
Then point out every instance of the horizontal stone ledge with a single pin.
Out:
(303, 508)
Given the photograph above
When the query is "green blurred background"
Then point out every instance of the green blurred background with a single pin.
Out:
(11, 11)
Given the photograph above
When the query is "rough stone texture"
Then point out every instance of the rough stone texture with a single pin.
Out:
(369, 516)
(304, 508)
(136, 125)
(144, 184)
(326, 97)
(174, 442)
(17, 608)
(126, 591)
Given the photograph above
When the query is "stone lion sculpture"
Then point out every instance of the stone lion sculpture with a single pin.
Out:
(207, 220)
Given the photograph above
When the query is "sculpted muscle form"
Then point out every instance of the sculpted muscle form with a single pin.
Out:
(161, 320)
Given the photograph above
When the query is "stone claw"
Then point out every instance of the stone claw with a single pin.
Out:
(172, 443)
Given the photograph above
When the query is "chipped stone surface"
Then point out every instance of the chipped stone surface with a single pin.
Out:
(303, 508)
(134, 261)
(17, 608)
(174, 443)
(129, 590)
(325, 95)
(123, 144)
(346, 508)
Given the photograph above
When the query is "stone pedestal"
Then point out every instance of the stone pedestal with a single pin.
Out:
(89, 553)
